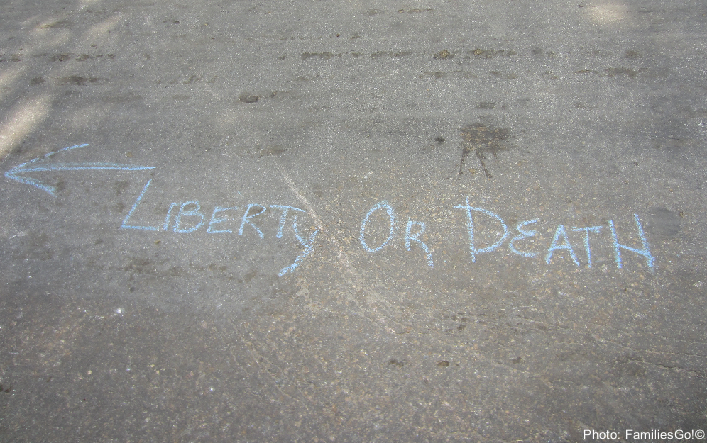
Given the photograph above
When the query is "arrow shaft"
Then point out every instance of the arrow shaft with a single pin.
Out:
(82, 167)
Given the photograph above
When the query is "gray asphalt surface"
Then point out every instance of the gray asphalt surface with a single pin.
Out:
(352, 221)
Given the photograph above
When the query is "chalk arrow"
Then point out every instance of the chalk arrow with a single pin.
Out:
(38, 165)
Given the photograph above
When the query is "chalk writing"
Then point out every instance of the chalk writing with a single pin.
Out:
(560, 247)
(215, 220)
(645, 251)
(125, 224)
(564, 245)
(283, 217)
(560, 240)
(195, 212)
(190, 218)
(587, 230)
(248, 215)
(308, 246)
(409, 236)
(166, 219)
(38, 165)
(523, 235)
(470, 229)
(364, 224)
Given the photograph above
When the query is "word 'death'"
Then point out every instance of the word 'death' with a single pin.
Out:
(188, 217)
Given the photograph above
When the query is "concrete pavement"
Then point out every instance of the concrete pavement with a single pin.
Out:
(352, 221)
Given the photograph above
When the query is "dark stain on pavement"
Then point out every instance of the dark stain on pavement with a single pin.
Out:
(35, 246)
(443, 55)
(458, 320)
(78, 80)
(490, 53)
(482, 140)
(250, 275)
(616, 72)
(628, 365)
(621, 71)
(663, 222)
(504, 75)
(396, 362)
(121, 186)
(270, 151)
(139, 265)
(248, 98)
(391, 54)
(320, 55)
